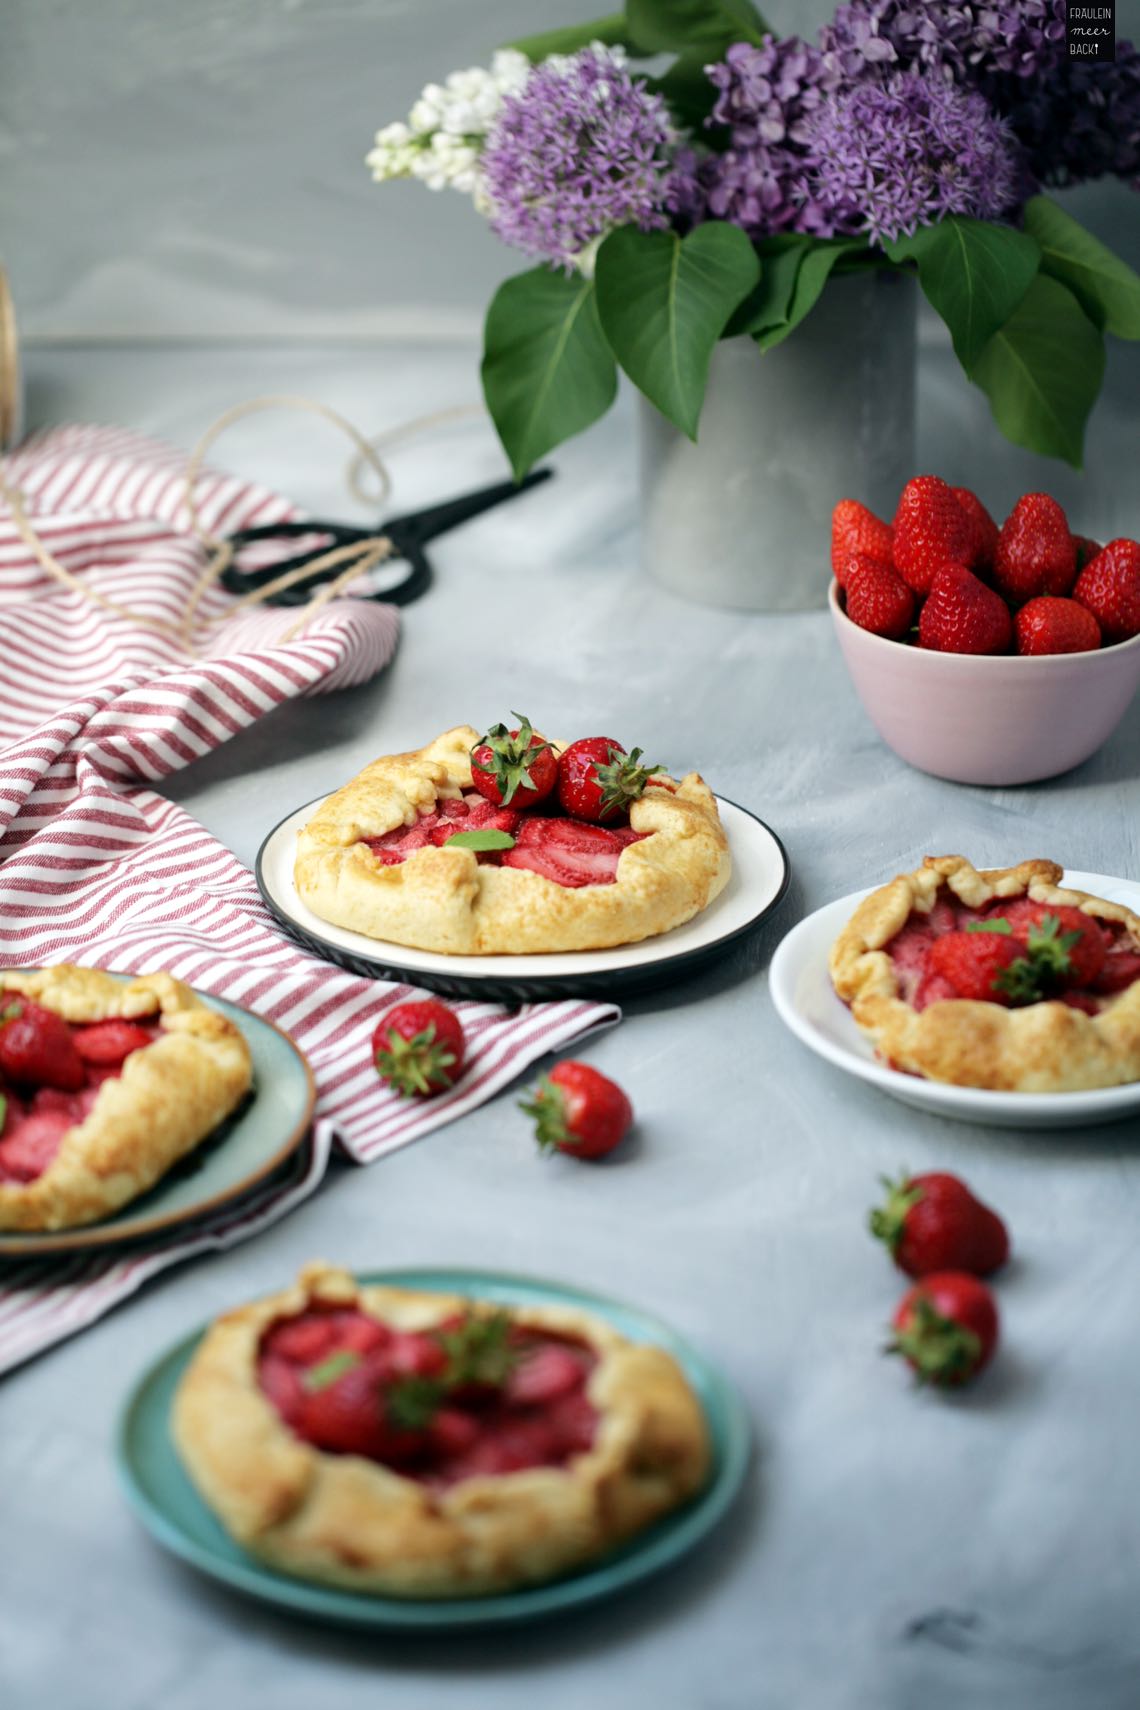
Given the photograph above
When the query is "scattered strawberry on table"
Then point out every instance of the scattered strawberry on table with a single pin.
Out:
(933, 1222)
(943, 575)
(418, 1048)
(578, 1111)
(946, 1328)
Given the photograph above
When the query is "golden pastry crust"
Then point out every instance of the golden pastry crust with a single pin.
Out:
(167, 1099)
(443, 899)
(1045, 1047)
(353, 1522)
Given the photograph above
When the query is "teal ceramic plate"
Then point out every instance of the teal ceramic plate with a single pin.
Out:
(245, 1151)
(166, 1502)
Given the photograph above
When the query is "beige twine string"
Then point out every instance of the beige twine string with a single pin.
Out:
(358, 557)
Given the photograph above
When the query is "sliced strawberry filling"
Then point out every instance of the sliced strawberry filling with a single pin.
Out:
(36, 1119)
(567, 851)
(1086, 977)
(349, 1385)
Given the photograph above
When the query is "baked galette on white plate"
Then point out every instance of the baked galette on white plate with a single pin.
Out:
(511, 844)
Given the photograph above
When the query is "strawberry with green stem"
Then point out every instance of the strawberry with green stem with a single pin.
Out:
(418, 1048)
(578, 1111)
(509, 763)
(1021, 959)
(945, 1328)
(597, 779)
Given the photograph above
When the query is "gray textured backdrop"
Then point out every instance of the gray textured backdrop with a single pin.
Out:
(195, 166)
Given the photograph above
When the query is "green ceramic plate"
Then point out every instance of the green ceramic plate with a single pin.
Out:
(166, 1502)
(244, 1152)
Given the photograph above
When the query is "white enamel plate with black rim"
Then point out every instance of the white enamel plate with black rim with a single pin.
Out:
(759, 880)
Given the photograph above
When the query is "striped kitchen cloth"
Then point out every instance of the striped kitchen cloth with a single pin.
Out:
(95, 866)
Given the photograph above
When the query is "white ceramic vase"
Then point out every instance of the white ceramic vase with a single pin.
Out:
(742, 517)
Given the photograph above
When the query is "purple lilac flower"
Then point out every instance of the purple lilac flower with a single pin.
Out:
(1075, 119)
(768, 97)
(891, 154)
(580, 149)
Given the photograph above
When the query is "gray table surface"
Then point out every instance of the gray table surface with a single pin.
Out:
(893, 1549)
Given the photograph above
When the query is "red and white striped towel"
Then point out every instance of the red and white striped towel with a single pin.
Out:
(96, 867)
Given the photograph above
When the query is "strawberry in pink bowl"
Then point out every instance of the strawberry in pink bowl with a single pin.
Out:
(981, 654)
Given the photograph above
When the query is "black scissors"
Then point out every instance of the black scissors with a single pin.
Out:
(409, 535)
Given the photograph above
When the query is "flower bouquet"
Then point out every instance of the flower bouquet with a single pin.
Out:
(716, 193)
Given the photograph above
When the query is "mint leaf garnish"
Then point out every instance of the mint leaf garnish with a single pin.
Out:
(326, 1372)
(481, 840)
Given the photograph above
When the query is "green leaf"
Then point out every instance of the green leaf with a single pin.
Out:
(1106, 287)
(326, 1372)
(766, 305)
(664, 301)
(974, 274)
(613, 31)
(707, 26)
(814, 271)
(1042, 372)
(998, 924)
(547, 370)
(488, 838)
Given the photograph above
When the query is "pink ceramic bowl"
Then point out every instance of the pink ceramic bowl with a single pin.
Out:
(988, 719)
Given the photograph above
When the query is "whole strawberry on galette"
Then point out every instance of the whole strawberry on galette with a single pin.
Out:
(104, 1085)
(512, 844)
(427, 1445)
(1000, 978)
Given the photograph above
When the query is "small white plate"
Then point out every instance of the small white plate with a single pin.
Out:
(805, 1001)
(759, 880)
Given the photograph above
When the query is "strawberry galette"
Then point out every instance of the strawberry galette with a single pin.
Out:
(998, 979)
(104, 1085)
(428, 1445)
(511, 845)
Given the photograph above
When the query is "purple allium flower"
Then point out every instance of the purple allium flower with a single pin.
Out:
(892, 154)
(581, 148)
(768, 97)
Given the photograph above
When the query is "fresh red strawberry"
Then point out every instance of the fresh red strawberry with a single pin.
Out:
(567, 852)
(109, 1043)
(506, 763)
(878, 599)
(962, 615)
(857, 532)
(1052, 625)
(934, 1223)
(597, 779)
(930, 530)
(976, 964)
(946, 1328)
(345, 1411)
(1035, 552)
(36, 1047)
(1110, 588)
(544, 1375)
(410, 1353)
(983, 529)
(1087, 549)
(1068, 946)
(418, 1048)
(579, 1111)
